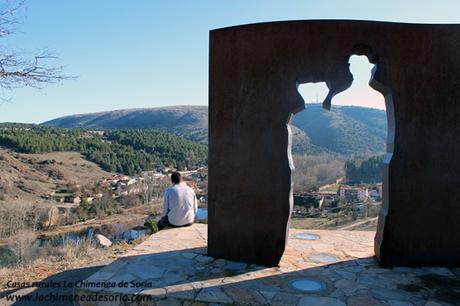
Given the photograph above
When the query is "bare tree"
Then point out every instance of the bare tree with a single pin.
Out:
(312, 172)
(20, 69)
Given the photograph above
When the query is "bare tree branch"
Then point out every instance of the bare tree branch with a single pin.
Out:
(35, 71)
(10, 16)
(18, 69)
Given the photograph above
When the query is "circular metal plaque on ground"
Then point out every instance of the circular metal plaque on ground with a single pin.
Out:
(305, 236)
(324, 258)
(307, 285)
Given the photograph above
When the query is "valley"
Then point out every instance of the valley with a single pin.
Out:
(69, 178)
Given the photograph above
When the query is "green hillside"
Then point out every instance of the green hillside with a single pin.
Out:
(345, 130)
(124, 151)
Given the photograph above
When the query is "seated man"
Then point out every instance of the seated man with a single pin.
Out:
(180, 204)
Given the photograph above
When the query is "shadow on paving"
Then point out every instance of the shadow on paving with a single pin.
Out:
(190, 275)
(69, 276)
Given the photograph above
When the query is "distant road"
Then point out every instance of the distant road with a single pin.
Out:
(337, 181)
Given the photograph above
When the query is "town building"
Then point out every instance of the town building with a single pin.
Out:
(353, 194)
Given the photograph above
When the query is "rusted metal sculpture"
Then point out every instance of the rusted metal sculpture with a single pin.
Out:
(254, 74)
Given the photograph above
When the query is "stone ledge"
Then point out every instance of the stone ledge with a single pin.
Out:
(171, 268)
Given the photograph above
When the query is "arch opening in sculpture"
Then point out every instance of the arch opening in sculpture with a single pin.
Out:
(324, 197)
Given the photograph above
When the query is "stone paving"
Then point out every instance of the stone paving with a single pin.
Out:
(318, 268)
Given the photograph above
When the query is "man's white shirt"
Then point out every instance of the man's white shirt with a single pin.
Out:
(180, 204)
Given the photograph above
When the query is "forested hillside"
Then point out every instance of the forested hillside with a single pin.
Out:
(345, 130)
(188, 121)
(369, 170)
(124, 151)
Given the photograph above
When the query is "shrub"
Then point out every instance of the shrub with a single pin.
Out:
(67, 249)
(118, 230)
(14, 218)
(23, 248)
(74, 249)
(202, 221)
(152, 225)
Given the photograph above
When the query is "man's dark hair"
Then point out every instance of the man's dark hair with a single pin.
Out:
(176, 177)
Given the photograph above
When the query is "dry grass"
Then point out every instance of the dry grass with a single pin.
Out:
(26, 177)
(52, 259)
(23, 249)
(71, 165)
(71, 250)
(330, 188)
(369, 226)
(14, 218)
(309, 223)
(332, 222)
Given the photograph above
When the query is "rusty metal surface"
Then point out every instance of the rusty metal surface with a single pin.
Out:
(254, 73)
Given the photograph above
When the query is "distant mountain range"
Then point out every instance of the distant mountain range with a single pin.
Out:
(346, 130)
(188, 121)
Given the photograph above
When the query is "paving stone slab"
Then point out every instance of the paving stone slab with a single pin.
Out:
(203, 259)
(399, 303)
(268, 295)
(145, 272)
(245, 296)
(361, 300)
(169, 302)
(320, 301)
(232, 265)
(390, 294)
(189, 255)
(215, 295)
(349, 287)
(432, 303)
(284, 299)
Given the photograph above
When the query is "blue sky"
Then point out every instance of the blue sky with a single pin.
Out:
(130, 54)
